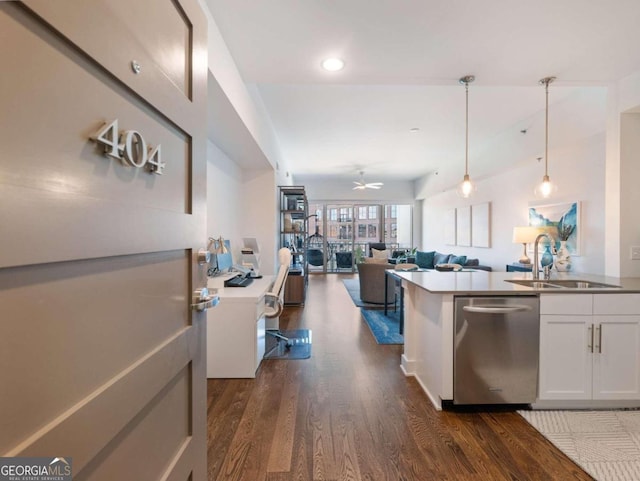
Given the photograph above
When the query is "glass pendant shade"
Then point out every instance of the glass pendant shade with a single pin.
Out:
(546, 188)
(466, 188)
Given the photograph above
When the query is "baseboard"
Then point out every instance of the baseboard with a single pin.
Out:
(408, 370)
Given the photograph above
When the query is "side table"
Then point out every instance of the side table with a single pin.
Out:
(517, 267)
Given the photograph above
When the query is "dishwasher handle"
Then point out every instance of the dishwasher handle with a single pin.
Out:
(497, 309)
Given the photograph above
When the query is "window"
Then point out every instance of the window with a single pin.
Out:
(345, 214)
(333, 231)
(394, 230)
(362, 212)
(373, 231)
(333, 214)
(393, 211)
(345, 232)
(373, 212)
(362, 230)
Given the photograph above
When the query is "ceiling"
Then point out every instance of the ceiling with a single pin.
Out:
(403, 61)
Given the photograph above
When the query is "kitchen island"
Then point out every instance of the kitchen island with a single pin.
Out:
(589, 337)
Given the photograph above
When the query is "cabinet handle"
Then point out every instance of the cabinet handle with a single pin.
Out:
(600, 339)
(590, 344)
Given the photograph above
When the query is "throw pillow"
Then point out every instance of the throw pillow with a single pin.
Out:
(425, 259)
(378, 254)
(458, 260)
(439, 258)
(373, 260)
(472, 262)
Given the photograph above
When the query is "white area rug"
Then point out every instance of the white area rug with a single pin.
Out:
(606, 444)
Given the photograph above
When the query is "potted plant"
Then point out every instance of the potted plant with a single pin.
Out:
(563, 261)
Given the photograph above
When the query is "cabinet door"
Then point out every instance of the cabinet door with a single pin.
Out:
(616, 359)
(565, 357)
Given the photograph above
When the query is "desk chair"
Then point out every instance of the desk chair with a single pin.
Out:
(274, 299)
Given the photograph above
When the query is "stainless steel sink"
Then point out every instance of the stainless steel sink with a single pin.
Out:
(578, 284)
(534, 284)
(563, 284)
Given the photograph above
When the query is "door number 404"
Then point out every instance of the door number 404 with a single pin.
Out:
(129, 147)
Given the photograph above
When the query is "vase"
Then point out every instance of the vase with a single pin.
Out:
(547, 258)
(563, 259)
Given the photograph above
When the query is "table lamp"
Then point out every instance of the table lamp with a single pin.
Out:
(524, 235)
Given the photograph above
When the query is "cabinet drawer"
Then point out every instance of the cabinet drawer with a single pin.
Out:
(626, 304)
(573, 304)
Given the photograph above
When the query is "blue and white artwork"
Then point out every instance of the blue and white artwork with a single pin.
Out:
(566, 217)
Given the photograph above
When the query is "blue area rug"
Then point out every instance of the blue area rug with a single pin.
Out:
(384, 328)
(353, 288)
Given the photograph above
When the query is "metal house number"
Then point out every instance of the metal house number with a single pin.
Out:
(129, 147)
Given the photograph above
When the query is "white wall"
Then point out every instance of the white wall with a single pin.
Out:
(623, 176)
(257, 215)
(630, 193)
(579, 173)
(224, 187)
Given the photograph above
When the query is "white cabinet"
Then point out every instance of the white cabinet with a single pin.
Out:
(236, 330)
(589, 347)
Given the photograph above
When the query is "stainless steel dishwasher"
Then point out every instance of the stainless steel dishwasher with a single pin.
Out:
(496, 347)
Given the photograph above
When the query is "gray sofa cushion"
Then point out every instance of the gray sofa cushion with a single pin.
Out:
(440, 258)
(462, 260)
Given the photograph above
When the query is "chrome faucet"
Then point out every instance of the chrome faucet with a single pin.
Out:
(547, 270)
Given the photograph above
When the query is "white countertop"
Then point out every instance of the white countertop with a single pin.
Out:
(254, 291)
(489, 283)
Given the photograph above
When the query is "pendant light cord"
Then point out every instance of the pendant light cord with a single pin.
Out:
(466, 80)
(546, 81)
(466, 133)
(546, 128)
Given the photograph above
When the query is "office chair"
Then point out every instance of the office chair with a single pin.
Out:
(274, 299)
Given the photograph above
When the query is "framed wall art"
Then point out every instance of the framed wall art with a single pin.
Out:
(565, 216)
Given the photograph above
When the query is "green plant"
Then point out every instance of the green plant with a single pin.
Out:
(359, 254)
(565, 231)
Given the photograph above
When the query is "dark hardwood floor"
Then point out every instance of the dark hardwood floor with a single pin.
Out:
(348, 413)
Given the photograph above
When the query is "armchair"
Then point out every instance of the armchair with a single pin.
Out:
(372, 279)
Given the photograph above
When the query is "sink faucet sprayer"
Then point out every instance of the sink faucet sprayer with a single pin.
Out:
(546, 269)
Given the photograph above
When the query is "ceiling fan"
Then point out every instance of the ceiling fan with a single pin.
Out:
(361, 184)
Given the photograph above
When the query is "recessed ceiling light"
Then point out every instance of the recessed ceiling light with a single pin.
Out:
(333, 64)
(413, 130)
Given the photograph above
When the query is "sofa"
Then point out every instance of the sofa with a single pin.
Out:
(371, 271)
(424, 259)
(430, 259)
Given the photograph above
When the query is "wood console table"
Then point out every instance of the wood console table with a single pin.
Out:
(398, 280)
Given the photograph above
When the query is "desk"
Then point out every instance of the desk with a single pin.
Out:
(398, 280)
(236, 329)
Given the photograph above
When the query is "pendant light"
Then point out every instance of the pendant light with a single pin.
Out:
(466, 187)
(545, 188)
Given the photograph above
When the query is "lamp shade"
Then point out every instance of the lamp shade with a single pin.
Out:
(525, 234)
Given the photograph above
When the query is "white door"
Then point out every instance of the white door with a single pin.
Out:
(616, 360)
(102, 358)
(565, 357)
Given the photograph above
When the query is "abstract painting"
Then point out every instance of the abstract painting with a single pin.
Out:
(563, 216)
